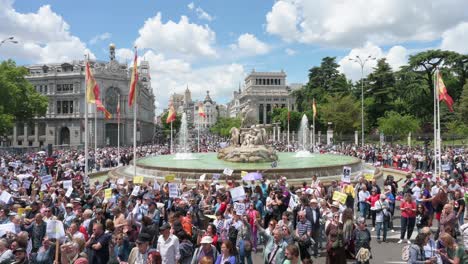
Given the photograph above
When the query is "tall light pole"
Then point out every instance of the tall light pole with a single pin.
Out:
(362, 63)
(9, 39)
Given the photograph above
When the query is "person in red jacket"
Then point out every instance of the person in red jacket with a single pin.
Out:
(374, 197)
(408, 217)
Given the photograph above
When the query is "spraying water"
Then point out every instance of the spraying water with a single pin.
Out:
(303, 135)
(183, 147)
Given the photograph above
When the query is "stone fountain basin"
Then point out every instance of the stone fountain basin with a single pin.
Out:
(326, 166)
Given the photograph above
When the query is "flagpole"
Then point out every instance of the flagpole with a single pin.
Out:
(118, 130)
(171, 138)
(86, 124)
(314, 111)
(289, 116)
(198, 134)
(435, 124)
(95, 135)
(439, 140)
(134, 133)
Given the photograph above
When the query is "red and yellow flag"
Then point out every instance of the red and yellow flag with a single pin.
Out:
(100, 107)
(443, 94)
(118, 108)
(134, 80)
(92, 88)
(314, 108)
(171, 116)
(201, 110)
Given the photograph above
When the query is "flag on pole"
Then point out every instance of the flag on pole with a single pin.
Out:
(134, 80)
(92, 88)
(118, 108)
(171, 116)
(443, 94)
(314, 108)
(201, 110)
(101, 108)
(289, 115)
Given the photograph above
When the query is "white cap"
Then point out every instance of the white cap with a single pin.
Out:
(206, 240)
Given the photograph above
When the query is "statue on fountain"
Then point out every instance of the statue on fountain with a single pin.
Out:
(249, 143)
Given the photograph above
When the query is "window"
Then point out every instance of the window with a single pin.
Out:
(45, 88)
(20, 142)
(65, 88)
(59, 107)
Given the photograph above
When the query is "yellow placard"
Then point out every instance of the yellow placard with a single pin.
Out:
(369, 176)
(41, 195)
(243, 173)
(340, 197)
(21, 211)
(169, 177)
(138, 179)
(108, 193)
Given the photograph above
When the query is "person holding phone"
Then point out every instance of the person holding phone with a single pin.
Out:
(408, 218)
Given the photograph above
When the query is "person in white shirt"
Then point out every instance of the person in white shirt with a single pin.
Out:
(363, 205)
(168, 245)
(417, 191)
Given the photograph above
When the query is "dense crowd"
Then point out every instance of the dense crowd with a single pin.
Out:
(121, 221)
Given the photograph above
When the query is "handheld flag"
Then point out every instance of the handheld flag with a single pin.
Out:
(92, 88)
(443, 94)
(314, 108)
(201, 110)
(134, 80)
(171, 116)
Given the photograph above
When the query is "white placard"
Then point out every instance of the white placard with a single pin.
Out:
(47, 179)
(346, 177)
(26, 184)
(69, 192)
(228, 171)
(202, 177)
(239, 208)
(5, 228)
(5, 197)
(121, 181)
(43, 187)
(67, 184)
(55, 229)
(446, 167)
(156, 186)
(237, 193)
(136, 190)
(173, 192)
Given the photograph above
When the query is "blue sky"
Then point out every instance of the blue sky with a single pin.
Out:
(212, 45)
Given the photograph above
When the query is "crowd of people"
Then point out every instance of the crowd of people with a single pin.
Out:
(122, 221)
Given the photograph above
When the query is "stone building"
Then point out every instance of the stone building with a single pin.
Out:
(64, 122)
(263, 91)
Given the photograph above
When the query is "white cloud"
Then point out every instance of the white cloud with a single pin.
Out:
(42, 37)
(352, 23)
(290, 52)
(201, 14)
(396, 57)
(101, 37)
(456, 38)
(248, 44)
(182, 38)
(173, 75)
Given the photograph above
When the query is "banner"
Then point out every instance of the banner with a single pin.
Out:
(340, 197)
(237, 193)
(173, 191)
(138, 179)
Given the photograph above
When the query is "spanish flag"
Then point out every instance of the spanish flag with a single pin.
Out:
(201, 110)
(92, 88)
(171, 116)
(101, 108)
(443, 94)
(134, 80)
(314, 108)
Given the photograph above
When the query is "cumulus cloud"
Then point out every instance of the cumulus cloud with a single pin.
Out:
(101, 37)
(352, 23)
(396, 56)
(43, 36)
(182, 38)
(456, 39)
(248, 44)
(201, 14)
(290, 52)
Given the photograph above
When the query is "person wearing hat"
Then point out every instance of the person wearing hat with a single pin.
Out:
(316, 229)
(69, 215)
(140, 252)
(20, 256)
(206, 249)
(168, 245)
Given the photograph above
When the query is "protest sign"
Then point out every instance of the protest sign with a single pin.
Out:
(138, 179)
(244, 173)
(67, 184)
(237, 193)
(228, 171)
(239, 208)
(136, 190)
(26, 184)
(169, 177)
(340, 197)
(5, 197)
(69, 192)
(368, 175)
(47, 179)
(446, 167)
(108, 193)
(346, 177)
(21, 212)
(173, 192)
(202, 177)
(7, 228)
(156, 186)
(55, 229)
(121, 181)
(216, 176)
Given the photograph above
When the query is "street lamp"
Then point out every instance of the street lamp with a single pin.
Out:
(362, 63)
(9, 39)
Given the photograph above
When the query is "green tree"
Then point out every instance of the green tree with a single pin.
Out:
(281, 115)
(343, 111)
(223, 125)
(461, 108)
(19, 101)
(396, 125)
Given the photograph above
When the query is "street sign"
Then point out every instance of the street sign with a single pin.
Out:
(49, 162)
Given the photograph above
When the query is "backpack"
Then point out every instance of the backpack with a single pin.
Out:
(405, 255)
(232, 233)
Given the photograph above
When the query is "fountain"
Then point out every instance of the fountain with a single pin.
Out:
(303, 135)
(183, 147)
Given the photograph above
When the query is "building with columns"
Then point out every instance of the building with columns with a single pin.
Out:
(263, 91)
(64, 122)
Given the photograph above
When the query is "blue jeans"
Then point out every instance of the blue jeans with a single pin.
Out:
(363, 209)
(244, 254)
(380, 226)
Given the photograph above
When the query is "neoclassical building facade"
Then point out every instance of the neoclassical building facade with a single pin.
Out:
(64, 123)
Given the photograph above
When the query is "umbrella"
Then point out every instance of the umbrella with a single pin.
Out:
(252, 176)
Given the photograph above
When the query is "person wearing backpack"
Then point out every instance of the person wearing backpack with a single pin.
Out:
(414, 253)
